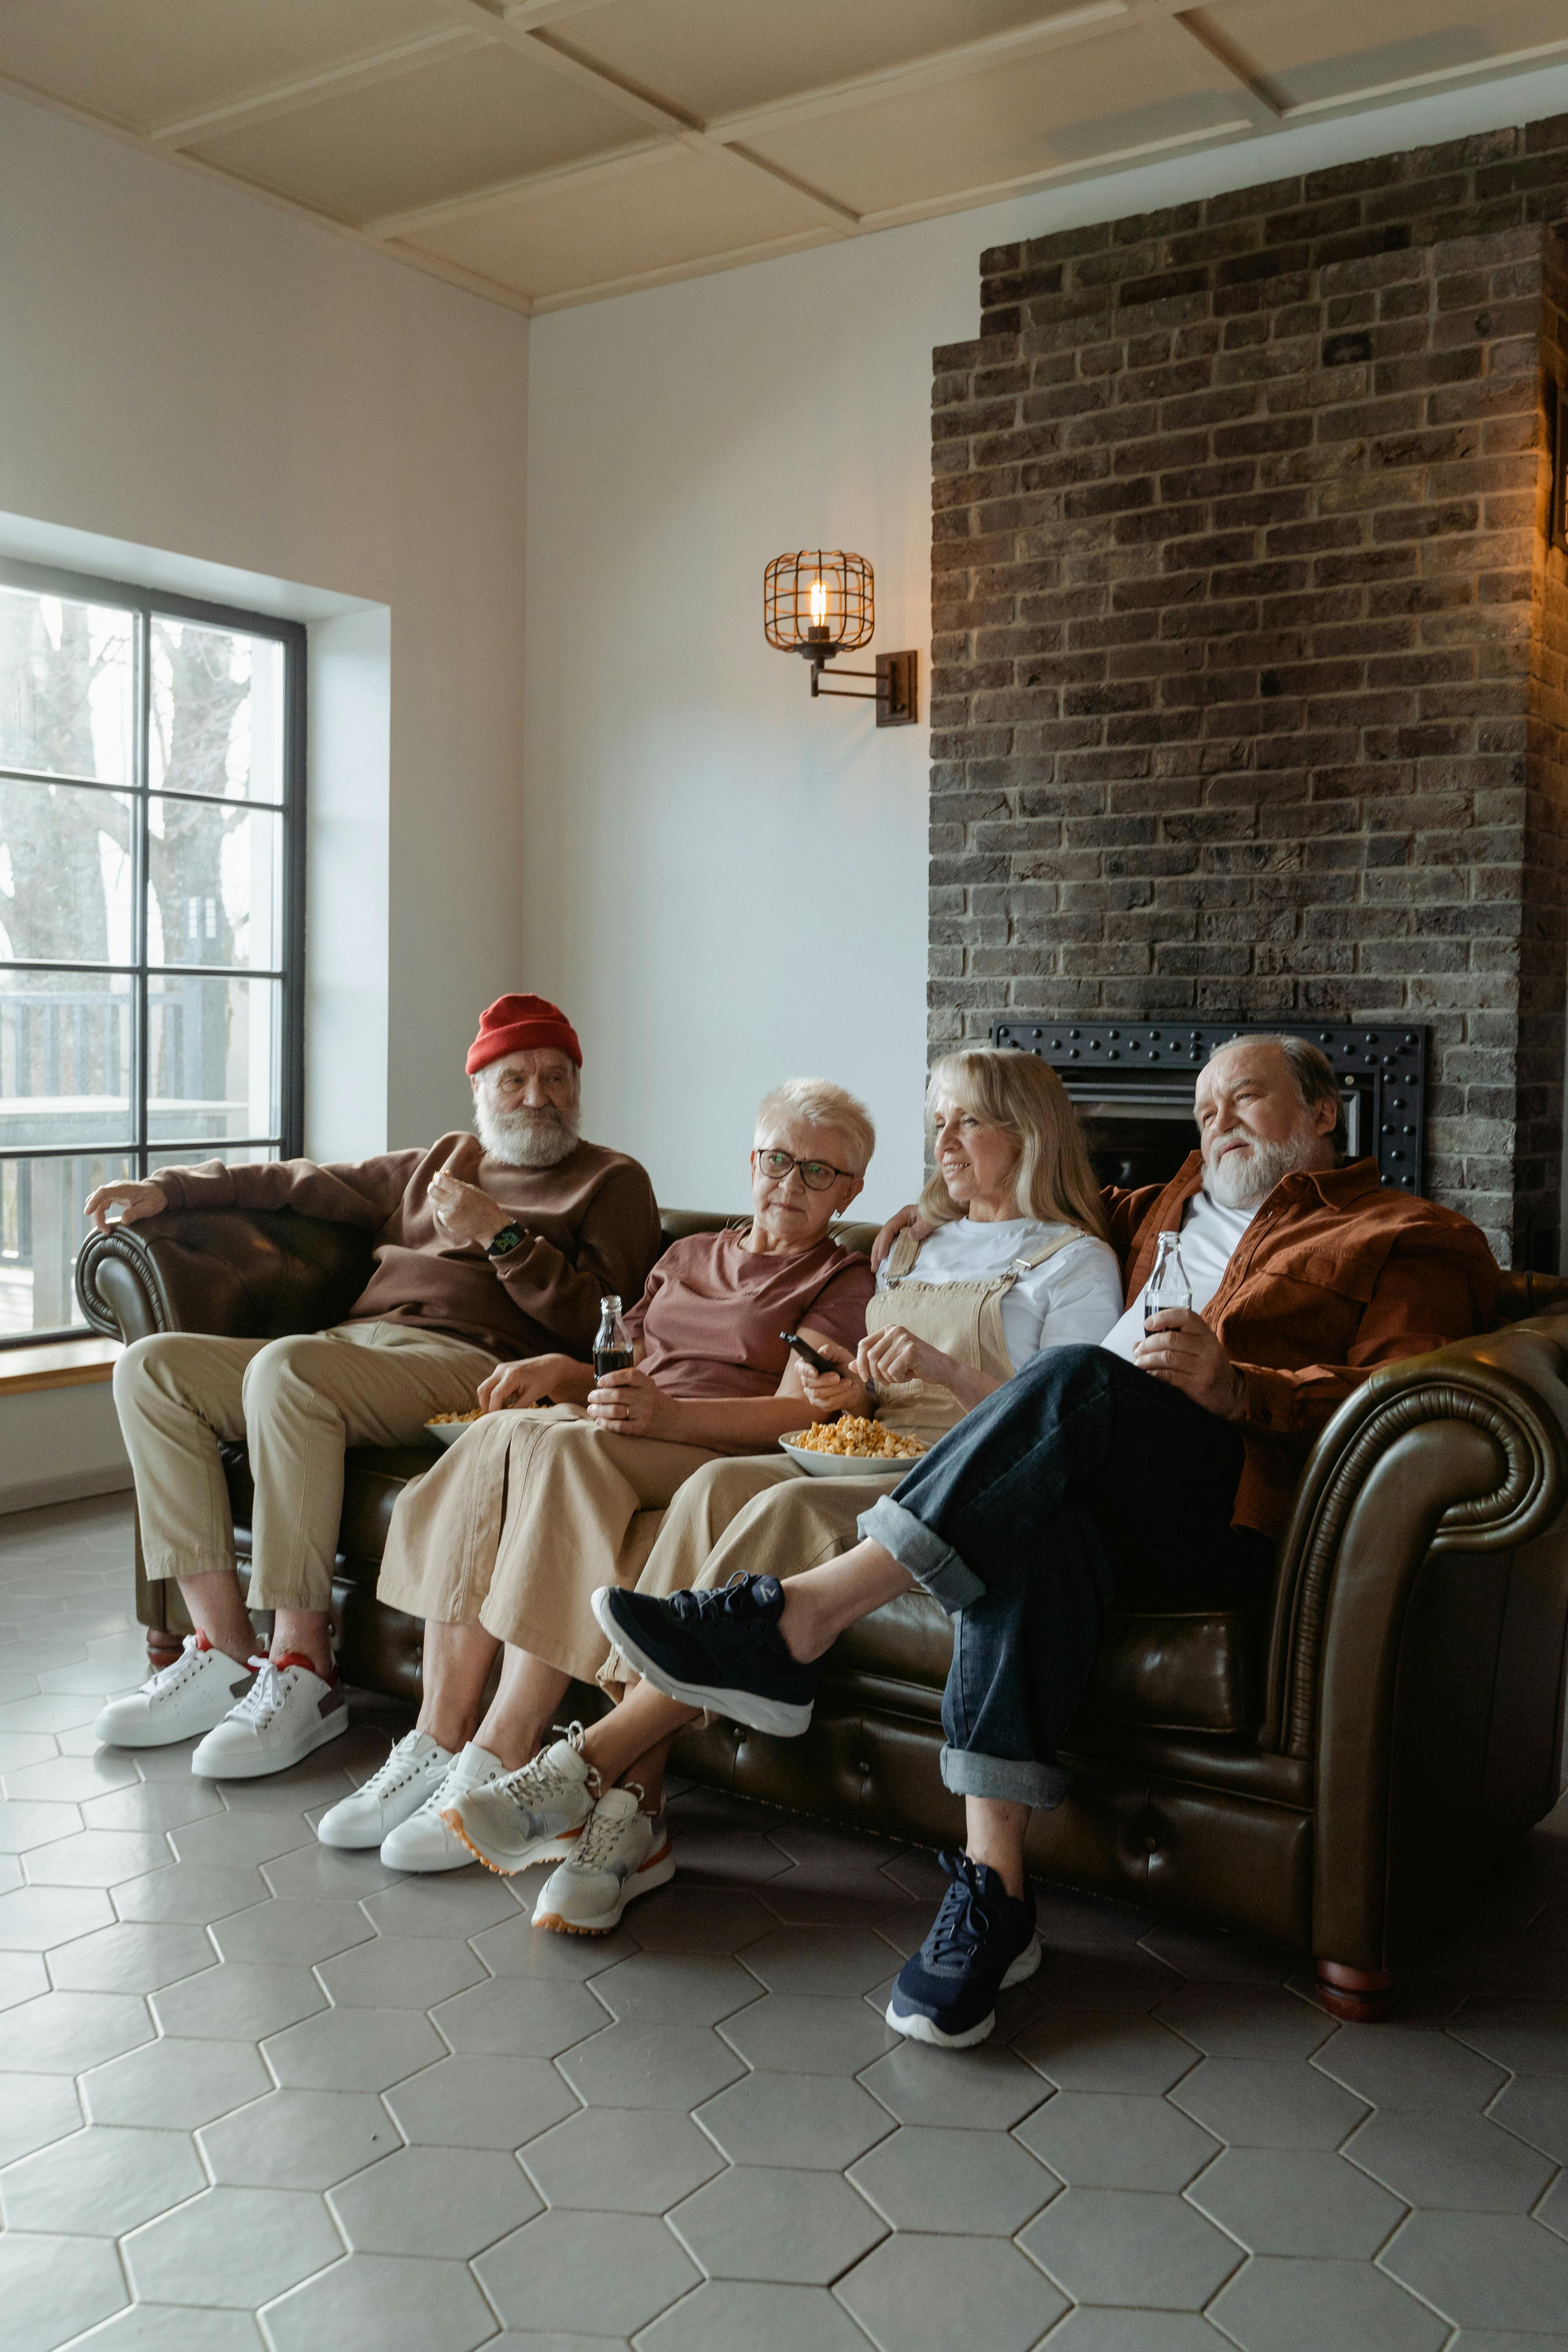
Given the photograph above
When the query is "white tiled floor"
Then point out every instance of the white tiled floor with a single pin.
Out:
(254, 2093)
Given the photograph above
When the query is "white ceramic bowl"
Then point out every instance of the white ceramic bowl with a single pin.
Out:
(845, 1466)
(446, 1432)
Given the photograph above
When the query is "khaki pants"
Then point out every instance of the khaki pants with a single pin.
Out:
(753, 1515)
(523, 1519)
(298, 1402)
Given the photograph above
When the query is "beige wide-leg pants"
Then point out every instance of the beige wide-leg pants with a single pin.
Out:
(298, 1402)
(756, 1515)
(523, 1519)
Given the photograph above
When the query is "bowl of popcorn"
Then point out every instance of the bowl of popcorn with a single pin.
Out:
(445, 1428)
(850, 1447)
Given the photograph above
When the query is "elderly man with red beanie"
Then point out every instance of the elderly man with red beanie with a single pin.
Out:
(488, 1248)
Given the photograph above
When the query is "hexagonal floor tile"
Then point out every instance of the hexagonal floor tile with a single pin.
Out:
(1107, 2139)
(233, 1841)
(192, 1891)
(648, 2066)
(23, 1976)
(67, 2032)
(725, 2314)
(1130, 2246)
(447, 2202)
(176, 2083)
(354, 2049)
(52, 2288)
(132, 1957)
(400, 1972)
(291, 1931)
(377, 2300)
(968, 2183)
(566, 2272)
(100, 2183)
(35, 2109)
(676, 1989)
(328, 1873)
(990, 2092)
(299, 2139)
(1268, 2103)
(1089, 2050)
(1096, 2328)
(1535, 2106)
(700, 1919)
(800, 2229)
(163, 2327)
(796, 2120)
(1527, 2037)
(496, 2103)
(519, 2017)
(1485, 2270)
(1276, 2305)
(34, 1918)
(456, 1902)
(232, 2246)
(239, 2003)
(1232, 2020)
(1463, 2163)
(1408, 2067)
(621, 2161)
(792, 2033)
(1297, 2200)
(99, 1858)
(924, 2295)
(822, 1960)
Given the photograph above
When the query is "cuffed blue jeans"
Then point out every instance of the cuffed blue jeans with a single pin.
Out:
(1078, 1474)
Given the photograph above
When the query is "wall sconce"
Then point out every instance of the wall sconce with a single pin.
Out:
(821, 603)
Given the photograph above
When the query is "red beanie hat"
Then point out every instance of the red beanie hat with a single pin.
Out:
(513, 1022)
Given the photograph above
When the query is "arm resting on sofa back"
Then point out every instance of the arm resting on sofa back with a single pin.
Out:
(240, 1274)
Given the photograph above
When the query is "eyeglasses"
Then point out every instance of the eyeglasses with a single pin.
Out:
(817, 1175)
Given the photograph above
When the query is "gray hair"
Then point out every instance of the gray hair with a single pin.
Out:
(1312, 1071)
(822, 1104)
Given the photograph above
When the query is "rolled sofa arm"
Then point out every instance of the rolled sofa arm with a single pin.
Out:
(1462, 1449)
(241, 1274)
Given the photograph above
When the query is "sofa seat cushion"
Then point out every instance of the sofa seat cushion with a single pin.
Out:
(1193, 1668)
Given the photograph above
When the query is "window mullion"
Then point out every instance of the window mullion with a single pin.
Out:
(140, 876)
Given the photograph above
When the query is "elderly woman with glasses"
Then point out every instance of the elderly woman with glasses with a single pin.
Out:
(558, 1487)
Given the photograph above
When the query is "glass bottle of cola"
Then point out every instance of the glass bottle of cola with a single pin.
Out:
(1168, 1286)
(612, 1347)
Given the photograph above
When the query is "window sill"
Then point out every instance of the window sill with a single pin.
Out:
(57, 1364)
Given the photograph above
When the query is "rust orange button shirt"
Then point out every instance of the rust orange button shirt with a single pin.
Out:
(1337, 1273)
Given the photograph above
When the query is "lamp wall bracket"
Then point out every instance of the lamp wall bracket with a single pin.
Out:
(895, 693)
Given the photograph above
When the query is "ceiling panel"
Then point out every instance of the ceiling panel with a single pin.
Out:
(465, 123)
(1318, 50)
(147, 62)
(696, 55)
(661, 212)
(1135, 89)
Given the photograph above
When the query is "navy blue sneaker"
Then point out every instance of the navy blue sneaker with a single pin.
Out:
(981, 1941)
(719, 1649)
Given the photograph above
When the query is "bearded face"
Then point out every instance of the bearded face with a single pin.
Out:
(1249, 1168)
(526, 1138)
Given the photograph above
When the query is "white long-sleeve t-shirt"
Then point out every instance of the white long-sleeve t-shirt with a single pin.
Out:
(1076, 1295)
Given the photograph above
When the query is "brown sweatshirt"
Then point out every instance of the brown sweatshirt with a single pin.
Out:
(590, 1223)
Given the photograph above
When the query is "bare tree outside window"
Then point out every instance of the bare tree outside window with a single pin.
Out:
(150, 902)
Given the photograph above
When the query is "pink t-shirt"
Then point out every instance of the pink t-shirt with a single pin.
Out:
(710, 1315)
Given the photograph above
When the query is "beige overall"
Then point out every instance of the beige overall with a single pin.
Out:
(761, 1514)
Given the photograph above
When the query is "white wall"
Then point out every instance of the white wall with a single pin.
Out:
(188, 370)
(725, 883)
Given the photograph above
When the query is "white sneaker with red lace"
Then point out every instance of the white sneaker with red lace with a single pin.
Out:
(288, 1710)
(178, 1702)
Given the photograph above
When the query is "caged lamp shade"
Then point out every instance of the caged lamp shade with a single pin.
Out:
(818, 602)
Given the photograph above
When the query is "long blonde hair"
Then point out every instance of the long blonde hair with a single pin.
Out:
(1024, 1096)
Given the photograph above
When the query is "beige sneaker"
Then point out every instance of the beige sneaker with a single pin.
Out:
(622, 1853)
(536, 1814)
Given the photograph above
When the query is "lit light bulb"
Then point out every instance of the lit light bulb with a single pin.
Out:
(818, 603)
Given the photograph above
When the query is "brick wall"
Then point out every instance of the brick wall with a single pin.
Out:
(1248, 657)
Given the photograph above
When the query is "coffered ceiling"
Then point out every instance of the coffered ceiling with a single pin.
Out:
(548, 151)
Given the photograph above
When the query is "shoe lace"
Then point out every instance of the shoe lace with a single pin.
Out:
(602, 1833)
(961, 1924)
(178, 1672)
(267, 1696)
(541, 1777)
(710, 1603)
(399, 1768)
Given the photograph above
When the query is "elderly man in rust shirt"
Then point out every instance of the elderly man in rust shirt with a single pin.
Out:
(488, 1248)
(1172, 1450)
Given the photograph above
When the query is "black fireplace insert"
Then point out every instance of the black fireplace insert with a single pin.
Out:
(1133, 1084)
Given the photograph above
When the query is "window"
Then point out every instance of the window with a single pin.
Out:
(152, 906)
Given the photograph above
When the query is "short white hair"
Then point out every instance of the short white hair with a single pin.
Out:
(820, 1104)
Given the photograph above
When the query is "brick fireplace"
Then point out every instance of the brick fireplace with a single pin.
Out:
(1250, 654)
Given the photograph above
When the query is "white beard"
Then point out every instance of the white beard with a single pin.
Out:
(1242, 1179)
(527, 1139)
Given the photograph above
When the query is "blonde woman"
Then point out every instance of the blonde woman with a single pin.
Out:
(1017, 1262)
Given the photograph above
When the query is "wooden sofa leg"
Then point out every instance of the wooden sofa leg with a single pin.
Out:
(162, 1648)
(1356, 1996)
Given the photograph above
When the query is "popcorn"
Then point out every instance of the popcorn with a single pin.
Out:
(852, 1434)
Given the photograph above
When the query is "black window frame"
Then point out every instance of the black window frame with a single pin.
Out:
(146, 604)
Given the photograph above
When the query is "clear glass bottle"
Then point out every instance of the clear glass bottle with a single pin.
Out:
(611, 1346)
(1168, 1286)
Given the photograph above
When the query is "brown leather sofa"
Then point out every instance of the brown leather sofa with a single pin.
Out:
(1331, 1769)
